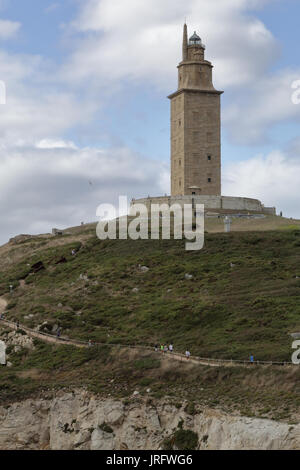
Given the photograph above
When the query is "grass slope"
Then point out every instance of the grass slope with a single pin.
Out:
(223, 311)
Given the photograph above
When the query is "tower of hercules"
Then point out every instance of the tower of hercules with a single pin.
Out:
(196, 142)
(195, 125)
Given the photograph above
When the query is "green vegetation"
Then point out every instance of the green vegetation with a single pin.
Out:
(182, 439)
(106, 428)
(243, 298)
(191, 409)
(147, 363)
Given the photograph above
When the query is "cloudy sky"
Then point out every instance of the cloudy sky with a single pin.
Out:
(86, 116)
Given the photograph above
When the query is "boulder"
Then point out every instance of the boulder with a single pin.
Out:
(101, 440)
(144, 269)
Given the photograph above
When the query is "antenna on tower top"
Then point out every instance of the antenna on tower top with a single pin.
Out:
(185, 43)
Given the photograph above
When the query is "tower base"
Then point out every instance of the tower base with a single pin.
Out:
(212, 204)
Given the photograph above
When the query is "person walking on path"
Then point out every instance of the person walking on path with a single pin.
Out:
(187, 354)
(156, 348)
(162, 348)
(171, 347)
(166, 348)
(252, 359)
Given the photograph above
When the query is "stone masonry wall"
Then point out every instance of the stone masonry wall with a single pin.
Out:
(211, 203)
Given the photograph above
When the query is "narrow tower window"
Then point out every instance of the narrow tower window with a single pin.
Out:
(209, 180)
(209, 157)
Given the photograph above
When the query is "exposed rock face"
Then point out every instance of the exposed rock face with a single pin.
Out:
(18, 340)
(81, 421)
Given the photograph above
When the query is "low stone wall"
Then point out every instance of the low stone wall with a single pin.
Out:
(220, 204)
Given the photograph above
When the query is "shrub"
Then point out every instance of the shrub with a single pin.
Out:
(190, 409)
(21, 332)
(9, 349)
(145, 381)
(11, 304)
(106, 428)
(183, 439)
(147, 363)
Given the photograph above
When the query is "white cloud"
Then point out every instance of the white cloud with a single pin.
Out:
(16, 68)
(141, 40)
(140, 43)
(272, 178)
(35, 115)
(46, 187)
(43, 188)
(45, 179)
(36, 106)
(8, 29)
(55, 144)
(268, 102)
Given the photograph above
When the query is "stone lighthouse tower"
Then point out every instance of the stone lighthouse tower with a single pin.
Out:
(195, 125)
(196, 142)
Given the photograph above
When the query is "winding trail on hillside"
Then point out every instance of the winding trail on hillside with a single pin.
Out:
(167, 355)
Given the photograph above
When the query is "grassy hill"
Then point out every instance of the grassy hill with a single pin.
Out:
(243, 297)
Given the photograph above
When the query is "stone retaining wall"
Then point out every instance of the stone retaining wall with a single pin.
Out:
(211, 203)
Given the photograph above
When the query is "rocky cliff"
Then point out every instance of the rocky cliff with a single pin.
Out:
(79, 420)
